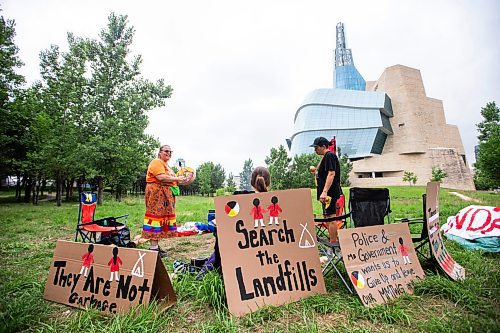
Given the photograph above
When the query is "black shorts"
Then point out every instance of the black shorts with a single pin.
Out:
(331, 210)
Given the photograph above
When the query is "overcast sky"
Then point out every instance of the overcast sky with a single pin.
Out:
(240, 69)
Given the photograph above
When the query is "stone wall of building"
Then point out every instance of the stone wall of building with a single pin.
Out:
(421, 138)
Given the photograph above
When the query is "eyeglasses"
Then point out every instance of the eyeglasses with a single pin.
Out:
(167, 151)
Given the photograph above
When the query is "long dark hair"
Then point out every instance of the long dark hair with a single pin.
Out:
(90, 250)
(115, 255)
(274, 201)
(261, 179)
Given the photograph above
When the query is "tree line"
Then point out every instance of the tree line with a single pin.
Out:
(84, 121)
(287, 172)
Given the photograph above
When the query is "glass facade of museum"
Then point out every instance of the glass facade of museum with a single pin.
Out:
(358, 119)
(348, 77)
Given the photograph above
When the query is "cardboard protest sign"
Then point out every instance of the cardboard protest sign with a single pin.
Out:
(380, 261)
(445, 261)
(268, 249)
(108, 278)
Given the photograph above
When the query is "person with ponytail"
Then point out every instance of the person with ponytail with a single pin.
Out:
(260, 179)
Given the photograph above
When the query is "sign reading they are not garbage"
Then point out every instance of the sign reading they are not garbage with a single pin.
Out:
(110, 279)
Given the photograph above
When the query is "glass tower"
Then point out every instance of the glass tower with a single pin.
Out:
(358, 119)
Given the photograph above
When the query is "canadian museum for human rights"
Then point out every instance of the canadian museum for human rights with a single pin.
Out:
(385, 127)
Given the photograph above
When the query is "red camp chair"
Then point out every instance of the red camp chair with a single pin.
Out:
(328, 249)
(321, 223)
(88, 228)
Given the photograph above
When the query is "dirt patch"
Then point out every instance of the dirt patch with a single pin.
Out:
(464, 197)
(185, 248)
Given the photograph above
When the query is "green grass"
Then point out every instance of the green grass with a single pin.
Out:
(28, 235)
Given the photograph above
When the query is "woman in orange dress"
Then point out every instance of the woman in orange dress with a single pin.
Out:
(161, 183)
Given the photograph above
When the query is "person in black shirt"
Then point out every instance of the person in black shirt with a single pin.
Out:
(327, 175)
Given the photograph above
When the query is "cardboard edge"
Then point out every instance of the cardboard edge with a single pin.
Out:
(162, 291)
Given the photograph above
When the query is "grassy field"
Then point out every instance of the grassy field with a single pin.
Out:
(28, 236)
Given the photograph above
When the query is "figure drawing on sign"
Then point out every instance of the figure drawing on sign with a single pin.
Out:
(258, 213)
(88, 259)
(403, 251)
(274, 210)
(306, 239)
(114, 264)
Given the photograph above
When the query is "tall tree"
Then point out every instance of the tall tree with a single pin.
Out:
(218, 177)
(62, 116)
(120, 99)
(230, 184)
(488, 159)
(345, 168)
(204, 177)
(300, 176)
(245, 175)
(278, 164)
(12, 119)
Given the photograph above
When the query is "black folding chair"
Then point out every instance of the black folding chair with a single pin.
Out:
(420, 240)
(369, 206)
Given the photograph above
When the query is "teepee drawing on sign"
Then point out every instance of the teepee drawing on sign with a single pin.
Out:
(138, 269)
(306, 239)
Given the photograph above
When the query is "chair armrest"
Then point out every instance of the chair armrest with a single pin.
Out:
(412, 220)
(332, 219)
(123, 216)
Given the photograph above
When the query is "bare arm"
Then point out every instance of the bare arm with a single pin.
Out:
(328, 184)
(164, 178)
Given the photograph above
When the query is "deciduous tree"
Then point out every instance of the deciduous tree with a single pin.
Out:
(438, 174)
(119, 99)
(300, 176)
(12, 119)
(245, 175)
(278, 165)
(488, 159)
(230, 184)
(410, 177)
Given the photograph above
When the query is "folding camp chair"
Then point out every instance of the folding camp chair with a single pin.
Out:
(420, 240)
(369, 206)
(328, 249)
(88, 228)
(322, 223)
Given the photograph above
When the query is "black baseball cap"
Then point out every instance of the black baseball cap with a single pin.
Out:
(320, 141)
